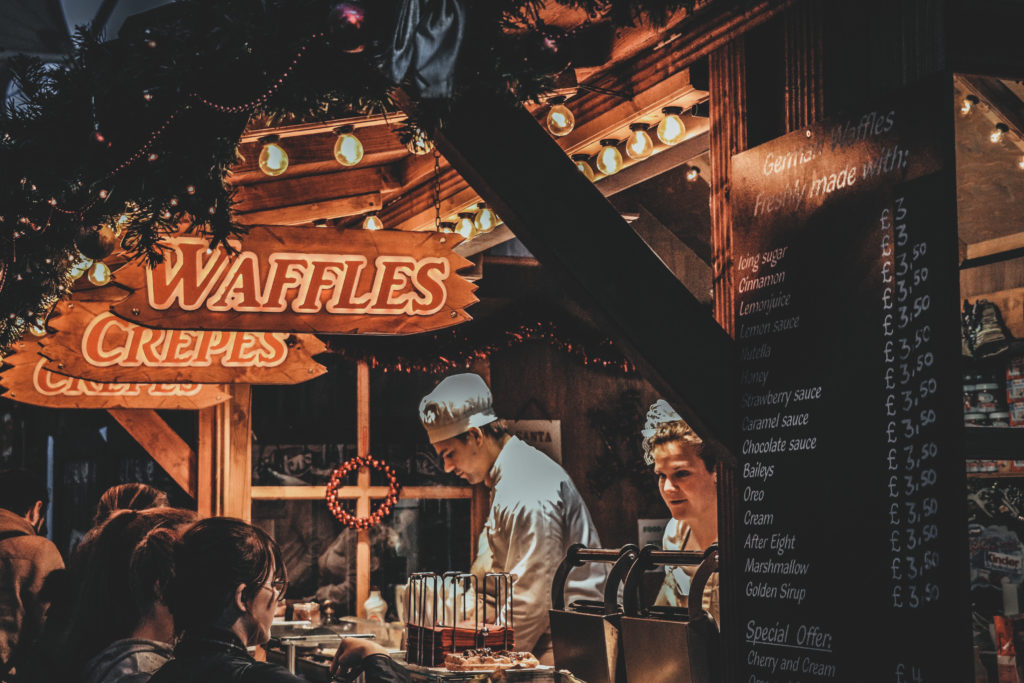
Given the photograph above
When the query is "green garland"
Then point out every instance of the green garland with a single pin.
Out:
(147, 126)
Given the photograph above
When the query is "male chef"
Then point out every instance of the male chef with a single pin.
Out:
(536, 512)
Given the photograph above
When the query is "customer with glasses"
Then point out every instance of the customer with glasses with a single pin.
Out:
(229, 578)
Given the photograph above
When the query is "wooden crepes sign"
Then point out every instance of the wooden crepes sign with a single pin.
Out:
(26, 380)
(303, 280)
(92, 343)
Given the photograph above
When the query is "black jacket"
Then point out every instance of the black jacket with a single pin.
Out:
(217, 656)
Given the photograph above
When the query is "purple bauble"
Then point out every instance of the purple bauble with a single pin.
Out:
(347, 21)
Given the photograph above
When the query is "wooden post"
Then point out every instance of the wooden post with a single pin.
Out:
(225, 456)
(162, 443)
(205, 462)
(363, 502)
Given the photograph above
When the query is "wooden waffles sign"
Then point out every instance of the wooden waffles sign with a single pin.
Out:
(26, 380)
(303, 280)
(92, 343)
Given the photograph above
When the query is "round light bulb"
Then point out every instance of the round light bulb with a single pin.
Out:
(447, 227)
(465, 225)
(560, 120)
(609, 160)
(80, 266)
(99, 274)
(420, 144)
(373, 222)
(996, 136)
(1020, 163)
(38, 328)
(273, 159)
(692, 173)
(485, 219)
(967, 105)
(348, 150)
(671, 130)
(582, 162)
(639, 144)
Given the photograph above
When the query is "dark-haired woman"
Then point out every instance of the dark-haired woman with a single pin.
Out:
(229, 577)
(121, 607)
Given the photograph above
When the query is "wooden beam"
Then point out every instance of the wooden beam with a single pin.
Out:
(994, 247)
(307, 213)
(162, 443)
(291, 191)
(362, 503)
(257, 129)
(566, 223)
(316, 492)
(205, 476)
(231, 493)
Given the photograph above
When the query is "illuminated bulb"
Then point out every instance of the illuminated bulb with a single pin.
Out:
(1020, 163)
(609, 161)
(485, 219)
(347, 148)
(447, 227)
(582, 162)
(671, 130)
(639, 144)
(320, 223)
(373, 222)
(996, 136)
(103, 194)
(692, 173)
(465, 225)
(99, 274)
(191, 189)
(420, 144)
(273, 158)
(560, 120)
(968, 105)
(38, 328)
(120, 224)
(80, 267)
(153, 156)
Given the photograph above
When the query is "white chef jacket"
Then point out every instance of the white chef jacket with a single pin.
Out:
(536, 514)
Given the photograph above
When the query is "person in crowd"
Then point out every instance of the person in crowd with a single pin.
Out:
(536, 511)
(27, 560)
(131, 496)
(689, 486)
(121, 628)
(229, 577)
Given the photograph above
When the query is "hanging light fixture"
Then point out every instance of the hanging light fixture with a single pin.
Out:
(447, 227)
(320, 223)
(419, 144)
(671, 130)
(273, 159)
(99, 274)
(348, 150)
(639, 144)
(38, 328)
(609, 160)
(373, 222)
(997, 134)
(692, 174)
(560, 120)
(1020, 163)
(582, 162)
(968, 105)
(465, 225)
(485, 219)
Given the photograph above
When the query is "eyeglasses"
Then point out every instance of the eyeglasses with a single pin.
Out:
(279, 586)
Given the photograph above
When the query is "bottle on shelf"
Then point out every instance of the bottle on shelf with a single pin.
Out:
(376, 607)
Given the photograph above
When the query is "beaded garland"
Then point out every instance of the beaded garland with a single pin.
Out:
(382, 511)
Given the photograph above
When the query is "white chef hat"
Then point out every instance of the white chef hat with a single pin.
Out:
(456, 404)
(658, 414)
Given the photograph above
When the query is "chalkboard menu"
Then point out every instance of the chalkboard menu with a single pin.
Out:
(851, 553)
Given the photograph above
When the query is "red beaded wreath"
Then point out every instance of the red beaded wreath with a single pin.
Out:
(382, 511)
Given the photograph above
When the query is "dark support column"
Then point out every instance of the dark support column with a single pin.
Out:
(728, 136)
(570, 227)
